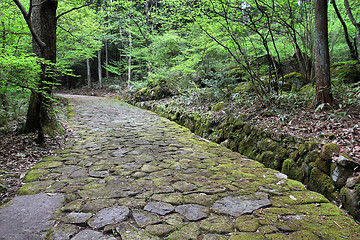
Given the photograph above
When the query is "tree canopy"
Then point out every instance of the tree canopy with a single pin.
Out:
(185, 45)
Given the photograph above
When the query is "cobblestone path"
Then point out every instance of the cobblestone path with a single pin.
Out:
(132, 175)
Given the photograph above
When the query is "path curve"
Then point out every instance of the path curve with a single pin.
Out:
(130, 174)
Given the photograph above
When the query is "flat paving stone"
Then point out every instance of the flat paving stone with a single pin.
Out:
(160, 208)
(28, 217)
(91, 235)
(109, 216)
(193, 212)
(77, 218)
(236, 206)
(129, 170)
(144, 218)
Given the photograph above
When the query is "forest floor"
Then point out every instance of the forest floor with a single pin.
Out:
(19, 153)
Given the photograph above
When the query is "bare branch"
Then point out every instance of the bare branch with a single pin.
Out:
(73, 9)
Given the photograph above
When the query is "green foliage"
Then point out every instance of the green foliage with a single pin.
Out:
(18, 75)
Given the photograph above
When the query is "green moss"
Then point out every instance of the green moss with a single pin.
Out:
(247, 223)
(295, 185)
(48, 164)
(35, 174)
(328, 150)
(218, 107)
(289, 168)
(322, 183)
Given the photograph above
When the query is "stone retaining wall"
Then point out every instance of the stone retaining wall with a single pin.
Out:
(318, 166)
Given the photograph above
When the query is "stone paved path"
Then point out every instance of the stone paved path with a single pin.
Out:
(132, 175)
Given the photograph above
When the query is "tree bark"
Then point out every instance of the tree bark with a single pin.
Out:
(99, 69)
(353, 21)
(349, 43)
(106, 58)
(43, 28)
(88, 73)
(323, 87)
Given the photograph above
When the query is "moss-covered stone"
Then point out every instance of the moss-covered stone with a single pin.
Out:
(322, 183)
(348, 73)
(290, 168)
(217, 224)
(35, 174)
(293, 81)
(218, 107)
(34, 187)
(351, 200)
(247, 223)
(246, 235)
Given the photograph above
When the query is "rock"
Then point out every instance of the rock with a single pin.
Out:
(183, 186)
(350, 199)
(218, 107)
(193, 212)
(129, 232)
(28, 217)
(246, 235)
(189, 232)
(143, 218)
(344, 168)
(348, 73)
(160, 229)
(159, 208)
(351, 182)
(91, 235)
(109, 216)
(322, 183)
(214, 237)
(217, 224)
(347, 162)
(327, 152)
(236, 206)
(97, 205)
(293, 81)
(77, 218)
(247, 223)
(63, 231)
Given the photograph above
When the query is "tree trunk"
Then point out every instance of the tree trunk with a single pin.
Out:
(106, 58)
(99, 69)
(353, 21)
(349, 43)
(323, 88)
(44, 26)
(88, 73)
(130, 54)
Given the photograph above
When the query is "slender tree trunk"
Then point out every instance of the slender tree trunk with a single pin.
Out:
(323, 86)
(346, 34)
(130, 55)
(44, 27)
(99, 69)
(106, 58)
(353, 21)
(88, 73)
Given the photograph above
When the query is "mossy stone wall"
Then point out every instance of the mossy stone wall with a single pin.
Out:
(310, 162)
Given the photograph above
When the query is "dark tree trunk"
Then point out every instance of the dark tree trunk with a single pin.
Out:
(44, 26)
(323, 87)
(347, 38)
(88, 73)
(354, 22)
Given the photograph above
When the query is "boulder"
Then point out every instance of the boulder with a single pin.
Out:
(293, 81)
(348, 73)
